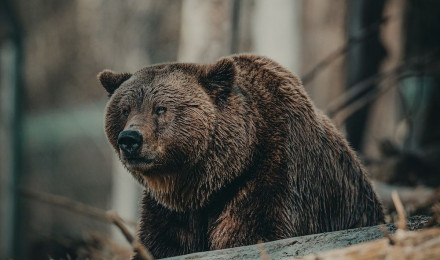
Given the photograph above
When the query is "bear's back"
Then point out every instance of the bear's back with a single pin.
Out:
(323, 172)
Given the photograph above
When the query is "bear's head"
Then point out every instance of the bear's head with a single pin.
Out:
(163, 122)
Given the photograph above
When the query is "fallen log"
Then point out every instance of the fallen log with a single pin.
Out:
(306, 245)
(403, 245)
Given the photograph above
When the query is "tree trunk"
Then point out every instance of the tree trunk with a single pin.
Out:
(363, 59)
(206, 32)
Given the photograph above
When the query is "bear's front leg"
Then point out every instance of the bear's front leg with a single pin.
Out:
(250, 218)
(168, 233)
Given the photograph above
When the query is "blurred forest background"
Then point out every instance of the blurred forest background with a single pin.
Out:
(372, 66)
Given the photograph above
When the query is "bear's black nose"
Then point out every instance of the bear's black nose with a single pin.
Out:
(130, 141)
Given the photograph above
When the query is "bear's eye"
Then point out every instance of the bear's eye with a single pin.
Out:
(126, 112)
(160, 110)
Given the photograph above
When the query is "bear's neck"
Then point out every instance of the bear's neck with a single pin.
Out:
(231, 152)
(185, 191)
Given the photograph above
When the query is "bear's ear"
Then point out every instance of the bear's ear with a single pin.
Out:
(111, 80)
(218, 78)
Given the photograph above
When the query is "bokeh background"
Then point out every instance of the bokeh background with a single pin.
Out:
(372, 66)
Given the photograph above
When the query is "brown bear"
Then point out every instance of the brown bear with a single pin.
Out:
(230, 154)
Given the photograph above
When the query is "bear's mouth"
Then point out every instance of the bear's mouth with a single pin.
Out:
(138, 162)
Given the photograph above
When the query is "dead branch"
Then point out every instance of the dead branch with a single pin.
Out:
(100, 247)
(343, 100)
(86, 210)
(138, 247)
(401, 223)
(345, 105)
(433, 201)
(346, 112)
(263, 254)
(435, 215)
(324, 63)
(386, 234)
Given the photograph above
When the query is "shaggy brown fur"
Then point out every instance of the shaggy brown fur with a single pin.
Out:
(240, 155)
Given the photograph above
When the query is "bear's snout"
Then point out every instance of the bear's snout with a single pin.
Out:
(130, 142)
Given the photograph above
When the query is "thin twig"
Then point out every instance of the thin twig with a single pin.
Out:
(401, 222)
(98, 240)
(435, 215)
(138, 247)
(342, 104)
(360, 103)
(263, 254)
(364, 34)
(86, 210)
(342, 101)
(385, 232)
